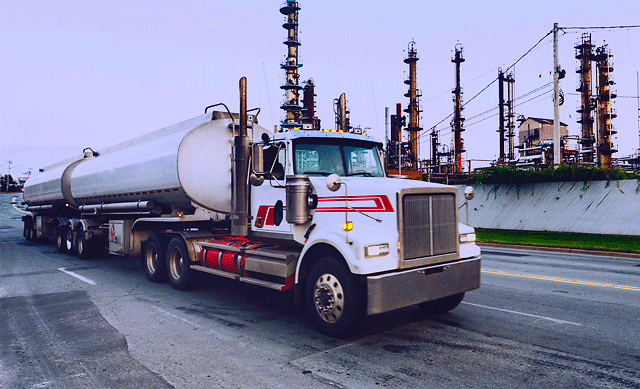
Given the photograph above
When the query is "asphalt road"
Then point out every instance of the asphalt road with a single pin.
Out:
(539, 320)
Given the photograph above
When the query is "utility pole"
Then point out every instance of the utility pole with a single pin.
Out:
(557, 158)
(6, 181)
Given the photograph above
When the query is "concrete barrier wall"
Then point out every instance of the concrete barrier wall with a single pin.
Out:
(595, 207)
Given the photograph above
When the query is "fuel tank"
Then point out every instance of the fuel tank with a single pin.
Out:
(186, 163)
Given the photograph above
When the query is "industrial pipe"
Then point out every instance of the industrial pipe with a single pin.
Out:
(118, 207)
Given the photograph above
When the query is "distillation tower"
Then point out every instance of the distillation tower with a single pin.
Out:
(292, 88)
(596, 146)
(458, 120)
(604, 111)
(584, 53)
(414, 107)
(309, 119)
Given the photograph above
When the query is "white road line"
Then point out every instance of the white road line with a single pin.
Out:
(525, 314)
(78, 276)
(177, 317)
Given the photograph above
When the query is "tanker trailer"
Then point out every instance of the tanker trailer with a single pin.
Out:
(179, 175)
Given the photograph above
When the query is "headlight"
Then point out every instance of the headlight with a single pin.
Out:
(376, 250)
(467, 238)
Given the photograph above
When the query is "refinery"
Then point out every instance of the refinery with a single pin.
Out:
(523, 141)
(417, 147)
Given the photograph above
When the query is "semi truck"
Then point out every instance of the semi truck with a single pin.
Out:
(311, 212)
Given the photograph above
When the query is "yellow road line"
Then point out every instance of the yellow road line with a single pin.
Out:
(14, 205)
(589, 283)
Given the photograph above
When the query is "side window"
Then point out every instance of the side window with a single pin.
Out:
(275, 160)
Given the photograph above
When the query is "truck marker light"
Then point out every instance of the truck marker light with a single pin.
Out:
(347, 226)
(180, 214)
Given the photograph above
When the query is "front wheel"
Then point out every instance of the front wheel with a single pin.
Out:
(178, 264)
(335, 301)
(442, 305)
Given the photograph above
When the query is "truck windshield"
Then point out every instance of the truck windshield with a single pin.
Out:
(344, 158)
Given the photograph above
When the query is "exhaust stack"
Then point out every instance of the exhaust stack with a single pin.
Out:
(240, 218)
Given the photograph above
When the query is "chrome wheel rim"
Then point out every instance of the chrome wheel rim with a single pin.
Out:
(152, 259)
(69, 241)
(329, 298)
(176, 264)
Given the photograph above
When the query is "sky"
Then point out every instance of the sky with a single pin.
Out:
(77, 74)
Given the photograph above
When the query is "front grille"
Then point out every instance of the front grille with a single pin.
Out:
(429, 225)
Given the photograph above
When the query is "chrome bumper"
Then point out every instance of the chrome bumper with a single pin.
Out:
(390, 291)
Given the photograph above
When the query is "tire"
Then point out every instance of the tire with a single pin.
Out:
(442, 305)
(154, 258)
(178, 261)
(28, 231)
(84, 247)
(71, 241)
(335, 301)
(61, 236)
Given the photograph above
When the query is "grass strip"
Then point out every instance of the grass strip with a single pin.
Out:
(561, 239)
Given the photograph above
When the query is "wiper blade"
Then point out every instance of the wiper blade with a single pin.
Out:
(364, 174)
(319, 173)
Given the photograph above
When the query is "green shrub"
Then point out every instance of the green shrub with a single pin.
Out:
(508, 175)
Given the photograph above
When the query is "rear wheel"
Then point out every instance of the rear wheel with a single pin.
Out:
(84, 247)
(61, 239)
(334, 298)
(28, 231)
(155, 258)
(71, 241)
(442, 305)
(178, 264)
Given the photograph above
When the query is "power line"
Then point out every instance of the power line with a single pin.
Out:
(597, 27)
(491, 83)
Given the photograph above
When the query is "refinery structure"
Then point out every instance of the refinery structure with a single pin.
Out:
(523, 141)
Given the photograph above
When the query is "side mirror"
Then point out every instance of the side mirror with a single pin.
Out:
(468, 193)
(333, 182)
(257, 158)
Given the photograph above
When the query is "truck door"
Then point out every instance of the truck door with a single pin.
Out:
(268, 201)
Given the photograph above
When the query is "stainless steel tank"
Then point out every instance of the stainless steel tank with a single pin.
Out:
(186, 163)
